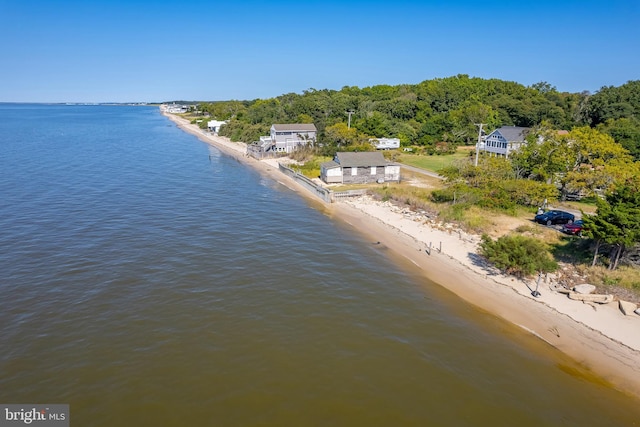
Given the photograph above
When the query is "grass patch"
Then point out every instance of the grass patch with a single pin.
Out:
(583, 205)
(311, 167)
(526, 229)
(431, 162)
(623, 282)
(414, 197)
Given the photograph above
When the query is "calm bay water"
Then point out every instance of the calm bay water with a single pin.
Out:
(148, 280)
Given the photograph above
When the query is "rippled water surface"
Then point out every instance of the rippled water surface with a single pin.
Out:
(148, 280)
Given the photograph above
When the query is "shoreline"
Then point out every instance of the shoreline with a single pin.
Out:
(599, 338)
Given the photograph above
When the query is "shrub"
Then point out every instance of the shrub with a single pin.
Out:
(459, 193)
(518, 255)
(443, 196)
(497, 198)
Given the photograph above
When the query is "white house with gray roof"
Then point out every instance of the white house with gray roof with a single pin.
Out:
(214, 125)
(505, 140)
(289, 137)
(359, 168)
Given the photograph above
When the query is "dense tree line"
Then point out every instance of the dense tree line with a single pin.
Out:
(435, 115)
(597, 156)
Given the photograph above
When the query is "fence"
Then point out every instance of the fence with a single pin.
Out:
(321, 192)
(325, 194)
(348, 193)
(258, 154)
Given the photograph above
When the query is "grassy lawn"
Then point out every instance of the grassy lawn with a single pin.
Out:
(433, 163)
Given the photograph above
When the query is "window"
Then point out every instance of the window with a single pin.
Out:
(354, 171)
(373, 170)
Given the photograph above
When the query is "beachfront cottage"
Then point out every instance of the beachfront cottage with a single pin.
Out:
(214, 125)
(359, 168)
(284, 139)
(289, 137)
(504, 141)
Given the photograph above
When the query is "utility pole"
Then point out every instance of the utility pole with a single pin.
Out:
(349, 122)
(478, 143)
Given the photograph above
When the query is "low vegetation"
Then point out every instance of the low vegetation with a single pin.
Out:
(433, 163)
(576, 252)
(518, 255)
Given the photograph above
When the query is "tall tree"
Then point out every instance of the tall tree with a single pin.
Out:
(596, 162)
(616, 222)
(625, 131)
(615, 102)
(584, 160)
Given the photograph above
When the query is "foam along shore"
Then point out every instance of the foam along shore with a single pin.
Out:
(599, 337)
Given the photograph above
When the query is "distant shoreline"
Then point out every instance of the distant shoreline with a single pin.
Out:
(600, 339)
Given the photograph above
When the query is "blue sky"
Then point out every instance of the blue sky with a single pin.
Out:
(151, 51)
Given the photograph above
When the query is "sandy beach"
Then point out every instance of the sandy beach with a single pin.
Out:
(598, 337)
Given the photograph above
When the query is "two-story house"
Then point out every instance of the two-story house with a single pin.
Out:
(503, 141)
(289, 137)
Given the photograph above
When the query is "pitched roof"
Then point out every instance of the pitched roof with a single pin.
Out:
(361, 159)
(329, 165)
(304, 127)
(513, 133)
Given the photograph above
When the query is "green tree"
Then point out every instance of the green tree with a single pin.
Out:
(339, 137)
(545, 155)
(616, 222)
(268, 111)
(493, 184)
(584, 160)
(374, 124)
(518, 255)
(463, 121)
(595, 162)
(444, 110)
(615, 102)
(626, 132)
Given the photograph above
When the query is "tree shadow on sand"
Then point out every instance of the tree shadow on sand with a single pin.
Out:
(479, 261)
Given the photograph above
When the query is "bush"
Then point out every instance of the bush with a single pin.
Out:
(497, 198)
(459, 193)
(518, 255)
(445, 195)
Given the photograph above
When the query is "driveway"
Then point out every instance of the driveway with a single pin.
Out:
(422, 171)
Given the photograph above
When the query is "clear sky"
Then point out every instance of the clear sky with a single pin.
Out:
(152, 51)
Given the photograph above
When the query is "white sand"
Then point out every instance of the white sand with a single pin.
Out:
(600, 337)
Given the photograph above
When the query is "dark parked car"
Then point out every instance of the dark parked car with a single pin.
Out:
(574, 228)
(554, 217)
